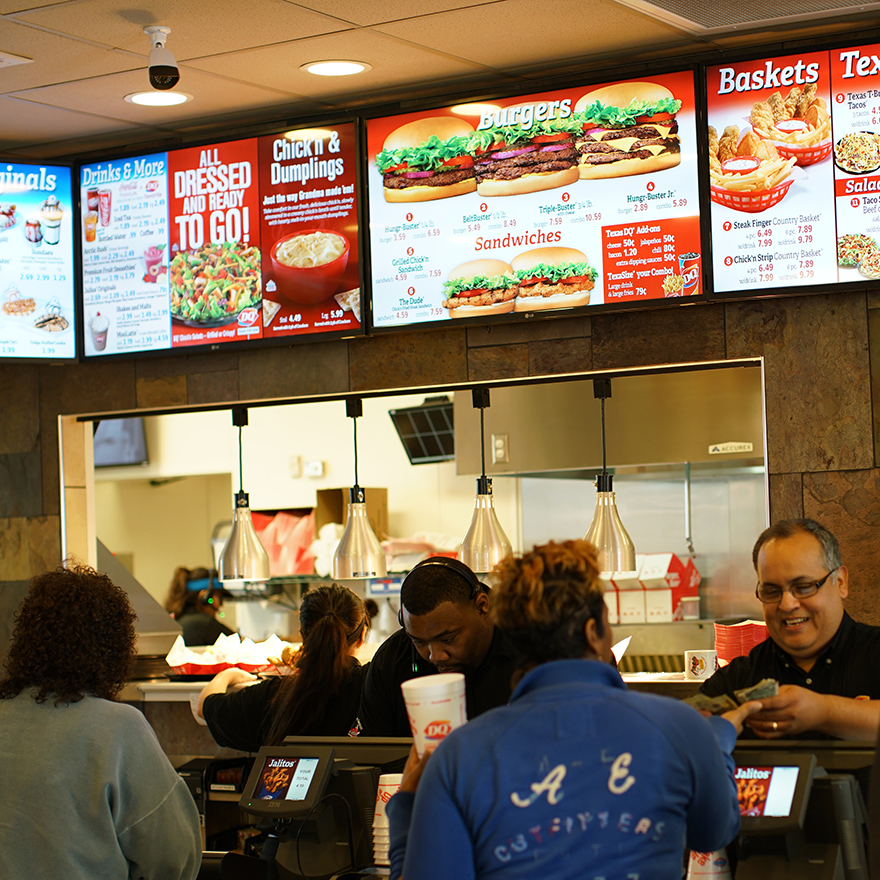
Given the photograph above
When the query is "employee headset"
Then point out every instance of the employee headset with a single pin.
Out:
(209, 591)
(459, 568)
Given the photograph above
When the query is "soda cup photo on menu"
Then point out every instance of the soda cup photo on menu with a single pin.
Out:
(90, 225)
(435, 706)
(689, 266)
(104, 201)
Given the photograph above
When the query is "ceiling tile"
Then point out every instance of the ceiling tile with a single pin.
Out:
(212, 96)
(25, 122)
(532, 33)
(393, 62)
(361, 13)
(198, 27)
(56, 59)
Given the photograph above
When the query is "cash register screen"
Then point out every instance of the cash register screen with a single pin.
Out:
(766, 791)
(772, 789)
(287, 778)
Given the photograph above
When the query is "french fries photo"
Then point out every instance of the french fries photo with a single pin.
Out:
(767, 175)
(771, 170)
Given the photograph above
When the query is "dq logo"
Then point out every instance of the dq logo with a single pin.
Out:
(248, 316)
(438, 729)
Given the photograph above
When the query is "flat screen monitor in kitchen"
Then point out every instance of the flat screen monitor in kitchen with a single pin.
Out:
(794, 172)
(234, 242)
(120, 442)
(546, 204)
(37, 276)
(773, 790)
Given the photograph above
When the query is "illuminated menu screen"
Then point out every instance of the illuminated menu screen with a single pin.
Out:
(794, 146)
(232, 242)
(36, 262)
(580, 197)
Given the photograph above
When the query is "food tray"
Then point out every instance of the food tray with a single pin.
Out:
(804, 155)
(750, 202)
(213, 668)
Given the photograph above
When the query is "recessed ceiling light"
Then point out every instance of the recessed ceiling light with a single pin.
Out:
(158, 99)
(474, 109)
(335, 68)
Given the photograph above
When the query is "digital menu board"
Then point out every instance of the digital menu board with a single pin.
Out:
(578, 197)
(794, 154)
(229, 242)
(36, 262)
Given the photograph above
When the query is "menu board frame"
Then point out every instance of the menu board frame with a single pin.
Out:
(712, 248)
(70, 221)
(589, 80)
(274, 128)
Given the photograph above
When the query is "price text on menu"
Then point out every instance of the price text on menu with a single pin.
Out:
(236, 241)
(36, 262)
(566, 199)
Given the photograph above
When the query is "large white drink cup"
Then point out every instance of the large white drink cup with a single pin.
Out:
(435, 705)
(389, 783)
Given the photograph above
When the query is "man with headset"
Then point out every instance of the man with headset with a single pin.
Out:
(444, 615)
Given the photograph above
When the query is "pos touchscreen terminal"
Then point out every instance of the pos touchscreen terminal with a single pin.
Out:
(285, 784)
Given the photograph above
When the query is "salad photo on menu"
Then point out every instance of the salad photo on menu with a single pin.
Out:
(577, 198)
(212, 285)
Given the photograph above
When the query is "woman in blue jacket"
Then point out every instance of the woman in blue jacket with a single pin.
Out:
(577, 778)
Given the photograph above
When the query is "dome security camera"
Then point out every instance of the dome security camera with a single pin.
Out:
(164, 73)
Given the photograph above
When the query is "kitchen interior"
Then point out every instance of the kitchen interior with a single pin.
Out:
(543, 450)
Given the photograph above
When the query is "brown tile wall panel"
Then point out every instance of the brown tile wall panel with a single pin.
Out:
(399, 360)
(498, 362)
(21, 486)
(848, 503)
(28, 546)
(214, 387)
(528, 331)
(658, 336)
(560, 356)
(289, 371)
(11, 594)
(786, 496)
(19, 408)
(816, 373)
(163, 391)
(186, 364)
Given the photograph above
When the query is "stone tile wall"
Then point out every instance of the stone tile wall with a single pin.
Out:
(823, 410)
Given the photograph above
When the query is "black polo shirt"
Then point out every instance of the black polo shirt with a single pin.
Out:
(383, 712)
(849, 666)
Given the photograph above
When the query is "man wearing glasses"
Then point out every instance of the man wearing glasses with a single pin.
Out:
(827, 665)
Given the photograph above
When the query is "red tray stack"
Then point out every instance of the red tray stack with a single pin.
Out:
(738, 639)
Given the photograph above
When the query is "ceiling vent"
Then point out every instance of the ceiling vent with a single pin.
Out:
(702, 18)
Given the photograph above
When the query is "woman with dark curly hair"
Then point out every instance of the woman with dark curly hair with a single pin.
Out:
(194, 600)
(86, 790)
(320, 698)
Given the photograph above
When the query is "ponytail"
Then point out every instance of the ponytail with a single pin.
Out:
(332, 619)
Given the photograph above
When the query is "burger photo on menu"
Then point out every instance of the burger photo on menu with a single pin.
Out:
(552, 278)
(627, 128)
(528, 154)
(479, 288)
(427, 159)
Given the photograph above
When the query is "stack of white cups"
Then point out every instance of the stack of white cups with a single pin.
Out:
(389, 783)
